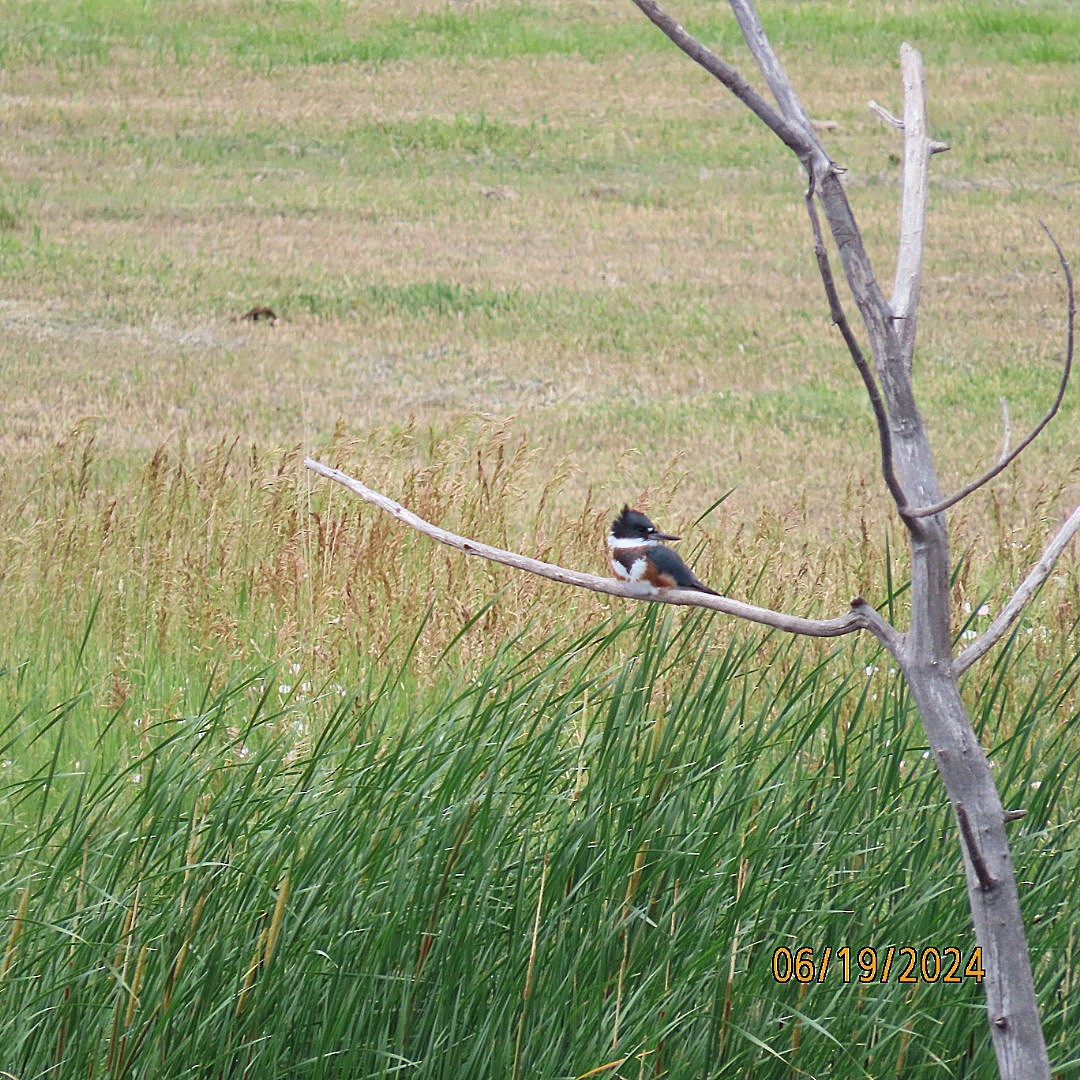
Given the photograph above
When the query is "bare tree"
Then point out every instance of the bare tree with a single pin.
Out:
(924, 651)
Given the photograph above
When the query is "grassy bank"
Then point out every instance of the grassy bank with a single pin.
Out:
(287, 791)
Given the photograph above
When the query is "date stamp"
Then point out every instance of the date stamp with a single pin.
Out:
(903, 964)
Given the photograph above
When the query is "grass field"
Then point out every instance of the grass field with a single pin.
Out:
(288, 793)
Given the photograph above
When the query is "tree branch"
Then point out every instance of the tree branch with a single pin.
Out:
(795, 131)
(874, 308)
(885, 115)
(918, 149)
(861, 616)
(770, 67)
(1019, 599)
(1006, 460)
(836, 311)
(924, 653)
(791, 135)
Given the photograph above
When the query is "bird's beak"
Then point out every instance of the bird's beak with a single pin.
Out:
(667, 536)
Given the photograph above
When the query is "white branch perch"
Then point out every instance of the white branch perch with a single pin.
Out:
(1019, 599)
(860, 617)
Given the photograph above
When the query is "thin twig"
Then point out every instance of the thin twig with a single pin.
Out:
(836, 311)
(885, 115)
(1019, 599)
(1008, 459)
(861, 616)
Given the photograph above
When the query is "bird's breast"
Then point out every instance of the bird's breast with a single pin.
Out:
(629, 565)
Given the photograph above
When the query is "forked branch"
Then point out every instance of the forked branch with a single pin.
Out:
(800, 141)
(836, 312)
(770, 67)
(796, 131)
(925, 649)
(861, 616)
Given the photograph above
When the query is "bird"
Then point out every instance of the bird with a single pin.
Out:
(638, 556)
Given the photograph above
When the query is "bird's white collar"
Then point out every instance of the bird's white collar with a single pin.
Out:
(617, 542)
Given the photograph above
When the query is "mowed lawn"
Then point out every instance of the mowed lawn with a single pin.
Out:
(537, 211)
(528, 263)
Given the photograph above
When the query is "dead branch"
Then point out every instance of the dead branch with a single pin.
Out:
(885, 115)
(796, 138)
(861, 616)
(796, 131)
(1020, 598)
(925, 651)
(836, 312)
(1007, 459)
(918, 149)
(773, 71)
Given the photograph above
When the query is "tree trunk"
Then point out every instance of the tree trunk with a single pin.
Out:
(1015, 1029)
(924, 652)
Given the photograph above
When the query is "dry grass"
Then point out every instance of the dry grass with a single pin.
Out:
(600, 246)
(530, 264)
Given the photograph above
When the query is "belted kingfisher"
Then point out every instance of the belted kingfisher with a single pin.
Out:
(638, 556)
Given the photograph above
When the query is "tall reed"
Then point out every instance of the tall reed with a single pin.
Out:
(582, 860)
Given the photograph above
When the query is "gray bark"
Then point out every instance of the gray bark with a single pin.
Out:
(924, 652)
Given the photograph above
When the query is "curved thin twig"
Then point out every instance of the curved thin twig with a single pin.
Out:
(1019, 599)
(861, 616)
(1004, 462)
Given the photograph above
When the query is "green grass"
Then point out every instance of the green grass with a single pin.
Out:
(559, 865)
(271, 35)
(289, 791)
(266, 813)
